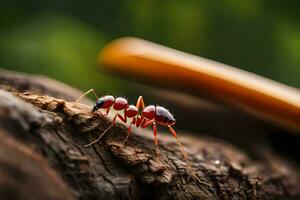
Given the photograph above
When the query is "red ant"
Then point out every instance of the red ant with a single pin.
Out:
(150, 115)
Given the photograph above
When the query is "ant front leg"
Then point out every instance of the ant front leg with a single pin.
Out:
(86, 93)
(101, 114)
(123, 119)
(107, 111)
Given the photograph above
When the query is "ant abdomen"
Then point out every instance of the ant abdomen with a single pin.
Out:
(160, 114)
(163, 116)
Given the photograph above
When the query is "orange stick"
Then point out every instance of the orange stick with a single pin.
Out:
(172, 68)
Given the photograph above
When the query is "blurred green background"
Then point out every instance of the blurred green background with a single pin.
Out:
(61, 38)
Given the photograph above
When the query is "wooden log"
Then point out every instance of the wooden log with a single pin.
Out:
(57, 130)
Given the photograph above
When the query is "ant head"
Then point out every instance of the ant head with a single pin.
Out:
(149, 112)
(131, 111)
(104, 102)
(99, 103)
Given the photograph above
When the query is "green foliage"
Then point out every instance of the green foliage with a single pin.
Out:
(57, 46)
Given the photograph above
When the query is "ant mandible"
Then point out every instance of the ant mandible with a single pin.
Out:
(150, 115)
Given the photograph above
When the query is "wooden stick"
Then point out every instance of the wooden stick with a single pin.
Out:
(151, 62)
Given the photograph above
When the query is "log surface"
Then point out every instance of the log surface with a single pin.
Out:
(42, 156)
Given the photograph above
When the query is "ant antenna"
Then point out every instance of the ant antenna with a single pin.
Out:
(86, 93)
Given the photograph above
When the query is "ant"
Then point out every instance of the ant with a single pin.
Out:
(149, 115)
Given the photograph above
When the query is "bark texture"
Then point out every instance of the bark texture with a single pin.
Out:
(42, 155)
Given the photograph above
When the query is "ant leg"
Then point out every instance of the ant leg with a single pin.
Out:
(124, 119)
(140, 121)
(100, 113)
(99, 138)
(186, 158)
(86, 93)
(140, 103)
(148, 123)
(107, 111)
(128, 133)
(155, 138)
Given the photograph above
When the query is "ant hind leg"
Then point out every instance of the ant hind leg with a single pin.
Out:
(107, 111)
(186, 158)
(155, 138)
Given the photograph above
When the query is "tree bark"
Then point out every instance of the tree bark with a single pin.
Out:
(42, 155)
